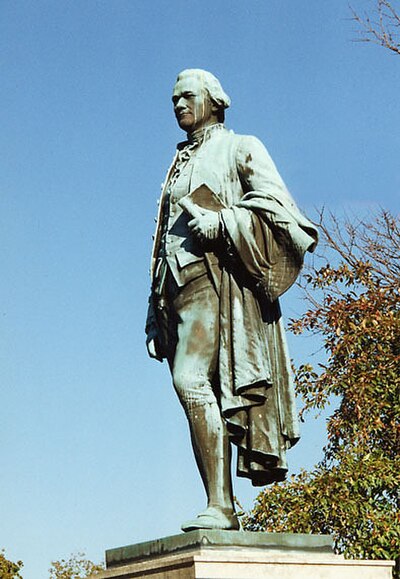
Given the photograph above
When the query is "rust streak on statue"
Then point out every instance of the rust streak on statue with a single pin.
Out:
(229, 241)
(198, 334)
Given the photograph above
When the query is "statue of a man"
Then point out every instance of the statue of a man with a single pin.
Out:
(229, 240)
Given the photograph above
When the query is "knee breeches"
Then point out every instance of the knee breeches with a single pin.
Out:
(188, 319)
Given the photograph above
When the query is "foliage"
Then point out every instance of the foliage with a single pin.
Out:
(355, 308)
(76, 567)
(9, 569)
(383, 27)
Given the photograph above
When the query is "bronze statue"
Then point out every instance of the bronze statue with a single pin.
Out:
(229, 241)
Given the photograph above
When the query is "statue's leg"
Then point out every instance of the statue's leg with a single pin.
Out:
(212, 451)
(193, 368)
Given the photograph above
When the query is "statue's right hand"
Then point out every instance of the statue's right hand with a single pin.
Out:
(153, 348)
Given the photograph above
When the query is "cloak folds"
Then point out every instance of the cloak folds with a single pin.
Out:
(257, 395)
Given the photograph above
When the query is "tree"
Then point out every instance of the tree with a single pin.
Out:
(383, 27)
(9, 569)
(354, 306)
(76, 567)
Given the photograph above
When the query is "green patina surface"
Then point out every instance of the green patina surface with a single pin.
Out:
(207, 539)
(229, 241)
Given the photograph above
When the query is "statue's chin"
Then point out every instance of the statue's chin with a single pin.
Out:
(185, 122)
(187, 128)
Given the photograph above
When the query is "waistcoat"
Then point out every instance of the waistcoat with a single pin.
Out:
(178, 250)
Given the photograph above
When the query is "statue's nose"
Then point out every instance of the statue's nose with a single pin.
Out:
(180, 105)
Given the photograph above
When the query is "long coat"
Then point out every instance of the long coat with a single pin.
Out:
(264, 238)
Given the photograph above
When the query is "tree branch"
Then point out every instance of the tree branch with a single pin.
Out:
(383, 28)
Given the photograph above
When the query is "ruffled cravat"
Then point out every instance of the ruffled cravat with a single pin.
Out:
(189, 147)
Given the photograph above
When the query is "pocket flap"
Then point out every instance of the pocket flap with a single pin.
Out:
(185, 258)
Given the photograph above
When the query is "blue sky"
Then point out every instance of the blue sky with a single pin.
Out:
(94, 446)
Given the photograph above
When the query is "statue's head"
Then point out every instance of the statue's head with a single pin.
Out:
(199, 100)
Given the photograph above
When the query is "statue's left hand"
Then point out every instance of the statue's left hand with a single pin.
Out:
(206, 226)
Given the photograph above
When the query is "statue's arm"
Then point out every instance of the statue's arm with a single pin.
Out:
(264, 226)
(264, 194)
(257, 171)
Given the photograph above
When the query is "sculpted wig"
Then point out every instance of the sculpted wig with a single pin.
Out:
(213, 88)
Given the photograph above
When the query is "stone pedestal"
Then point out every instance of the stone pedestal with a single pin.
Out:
(238, 555)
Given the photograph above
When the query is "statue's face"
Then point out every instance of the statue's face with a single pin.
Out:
(192, 105)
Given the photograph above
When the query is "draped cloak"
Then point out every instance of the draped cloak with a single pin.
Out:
(264, 239)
